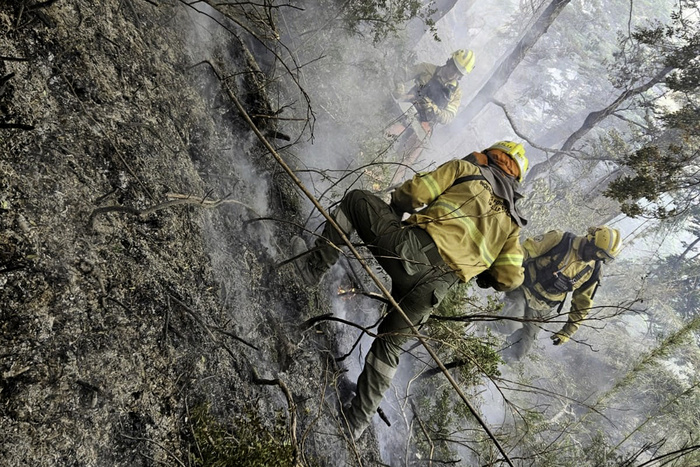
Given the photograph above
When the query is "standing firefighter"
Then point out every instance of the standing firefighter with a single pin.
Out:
(556, 263)
(468, 227)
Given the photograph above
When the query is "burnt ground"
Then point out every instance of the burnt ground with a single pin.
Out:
(115, 324)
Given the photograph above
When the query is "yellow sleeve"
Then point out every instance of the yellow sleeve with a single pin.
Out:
(416, 74)
(507, 269)
(449, 113)
(581, 303)
(537, 246)
(422, 189)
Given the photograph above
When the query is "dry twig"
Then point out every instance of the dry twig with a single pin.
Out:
(292, 411)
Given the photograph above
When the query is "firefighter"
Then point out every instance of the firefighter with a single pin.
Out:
(463, 222)
(434, 90)
(556, 263)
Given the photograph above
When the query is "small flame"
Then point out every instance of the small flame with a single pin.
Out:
(351, 291)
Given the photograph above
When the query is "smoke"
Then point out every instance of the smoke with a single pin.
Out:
(348, 83)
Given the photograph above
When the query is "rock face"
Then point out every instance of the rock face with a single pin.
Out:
(121, 311)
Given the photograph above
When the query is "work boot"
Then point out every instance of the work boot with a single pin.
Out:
(301, 264)
(351, 427)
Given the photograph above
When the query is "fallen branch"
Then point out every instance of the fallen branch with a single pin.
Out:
(292, 410)
(205, 325)
(425, 432)
(175, 199)
(329, 317)
(19, 126)
(6, 78)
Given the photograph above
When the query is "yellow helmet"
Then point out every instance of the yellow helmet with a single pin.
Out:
(607, 240)
(463, 60)
(516, 151)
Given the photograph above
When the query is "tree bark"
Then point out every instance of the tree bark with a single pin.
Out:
(499, 75)
(596, 117)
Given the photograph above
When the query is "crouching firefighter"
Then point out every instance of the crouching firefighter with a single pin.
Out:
(556, 263)
(434, 90)
(463, 223)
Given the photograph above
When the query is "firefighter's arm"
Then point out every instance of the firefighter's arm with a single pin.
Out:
(423, 188)
(409, 77)
(581, 303)
(534, 247)
(506, 272)
(449, 113)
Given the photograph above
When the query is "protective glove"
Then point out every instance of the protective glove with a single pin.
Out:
(399, 91)
(397, 210)
(420, 104)
(430, 111)
(485, 280)
(559, 338)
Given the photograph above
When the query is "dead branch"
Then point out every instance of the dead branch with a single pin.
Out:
(235, 337)
(329, 317)
(6, 78)
(18, 126)
(40, 5)
(292, 410)
(166, 324)
(209, 328)
(425, 432)
(175, 199)
(519, 133)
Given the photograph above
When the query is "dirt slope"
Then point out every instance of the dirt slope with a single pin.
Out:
(114, 325)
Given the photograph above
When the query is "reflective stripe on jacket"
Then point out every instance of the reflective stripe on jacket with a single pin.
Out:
(469, 224)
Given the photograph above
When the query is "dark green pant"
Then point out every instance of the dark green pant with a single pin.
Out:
(523, 338)
(420, 279)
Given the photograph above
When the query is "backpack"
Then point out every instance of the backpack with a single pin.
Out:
(555, 283)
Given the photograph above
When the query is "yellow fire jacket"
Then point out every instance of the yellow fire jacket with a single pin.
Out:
(469, 224)
(571, 265)
(420, 74)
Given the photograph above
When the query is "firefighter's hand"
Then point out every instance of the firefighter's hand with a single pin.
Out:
(430, 110)
(423, 103)
(559, 338)
(484, 280)
(397, 210)
(399, 91)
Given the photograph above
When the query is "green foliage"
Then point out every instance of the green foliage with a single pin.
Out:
(247, 442)
(445, 418)
(661, 178)
(549, 205)
(386, 17)
(655, 173)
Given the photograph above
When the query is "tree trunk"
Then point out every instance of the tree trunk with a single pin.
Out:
(593, 119)
(499, 76)
(417, 28)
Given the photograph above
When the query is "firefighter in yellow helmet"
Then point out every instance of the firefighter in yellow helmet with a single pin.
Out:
(434, 90)
(555, 263)
(463, 224)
